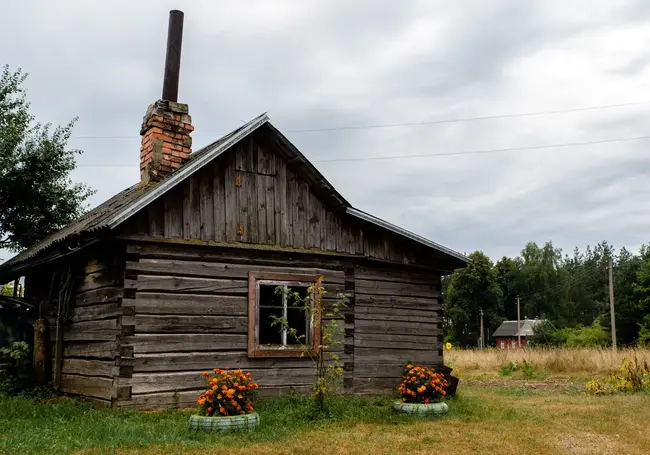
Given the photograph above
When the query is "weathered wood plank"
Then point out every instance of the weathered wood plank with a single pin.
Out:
(223, 270)
(206, 204)
(269, 203)
(101, 330)
(218, 199)
(156, 218)
(190, 304)
(259, 216)
(87, 367)
(160, 382)
(387, 301)
(87, 386)
(432, 317)
(185, 284)
(394, 289)
(383, 370)
(374, 355)
(396, 327)
(191, 208)
(94, 312)
(404, 275)
(187, 398)
(143, 344)
(100, 350)
(173, 213)
(195, 361)
(231, 202)
(406, 342)
(190, 324)
(103, 295)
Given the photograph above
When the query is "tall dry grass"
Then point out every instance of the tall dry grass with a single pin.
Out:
(561, 361)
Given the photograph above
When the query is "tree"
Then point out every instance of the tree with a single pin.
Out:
(544, 334)
(37, 195)
(469, 290)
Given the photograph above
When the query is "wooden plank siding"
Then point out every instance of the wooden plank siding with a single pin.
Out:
(191, 315)
(397, 318)
(252, 189)
(93, 328)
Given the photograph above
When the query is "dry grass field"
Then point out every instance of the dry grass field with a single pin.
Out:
(577, 363)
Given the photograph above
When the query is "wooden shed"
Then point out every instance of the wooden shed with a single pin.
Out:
(171, 277)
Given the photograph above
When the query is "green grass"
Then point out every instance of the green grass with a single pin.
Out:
(500, 419)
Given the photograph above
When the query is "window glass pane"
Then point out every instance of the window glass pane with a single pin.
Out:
(268, 296)
(270, 334)
(297, 297)
(297, 319)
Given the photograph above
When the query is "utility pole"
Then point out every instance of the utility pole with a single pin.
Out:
(518, 325)
(611, 304)
(481, 313)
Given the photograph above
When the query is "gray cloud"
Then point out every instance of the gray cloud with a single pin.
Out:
(336, 63)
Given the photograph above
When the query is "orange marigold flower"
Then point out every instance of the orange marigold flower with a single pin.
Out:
(201, 401)
(206, 374)
(222, 410)
(237, 371)
(249, 375)
(209, 410)
(409, 366)
(242, 388)
(240, 396)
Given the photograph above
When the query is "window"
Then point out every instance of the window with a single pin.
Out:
(503, 344)
(280, 325)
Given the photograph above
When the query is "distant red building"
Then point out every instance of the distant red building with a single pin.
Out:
(506, 334)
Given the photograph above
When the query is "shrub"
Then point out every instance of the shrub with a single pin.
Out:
(585, 337)
(633, 376)
(507, 369)
(17, 376)
(422, 385)
(229, 393)
(544, 334)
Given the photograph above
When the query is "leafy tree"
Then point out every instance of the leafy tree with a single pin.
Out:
(585, 337)
(7, 289)
(544, 334)
(469, 290)
(37, 195)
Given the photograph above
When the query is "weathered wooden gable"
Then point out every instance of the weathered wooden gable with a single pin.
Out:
(252, 194)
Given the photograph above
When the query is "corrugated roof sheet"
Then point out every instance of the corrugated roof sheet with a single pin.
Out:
(126, 203)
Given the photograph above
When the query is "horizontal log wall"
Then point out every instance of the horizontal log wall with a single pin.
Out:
(92, 330)
(191, 315)
(397, 318)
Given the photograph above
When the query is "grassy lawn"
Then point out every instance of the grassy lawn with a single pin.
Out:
(511, 418)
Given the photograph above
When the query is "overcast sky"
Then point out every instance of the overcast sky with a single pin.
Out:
(320, 64)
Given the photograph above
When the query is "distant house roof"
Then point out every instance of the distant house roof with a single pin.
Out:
(123, 205)
(509, 328)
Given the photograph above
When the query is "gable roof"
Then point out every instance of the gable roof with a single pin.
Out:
(125, 204)
(509, 328)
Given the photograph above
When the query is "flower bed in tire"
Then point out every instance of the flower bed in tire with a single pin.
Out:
(218, 424)
(421, 409)
(226, 405)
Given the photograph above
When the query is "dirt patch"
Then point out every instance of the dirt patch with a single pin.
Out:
(547, 385)
(590, 444)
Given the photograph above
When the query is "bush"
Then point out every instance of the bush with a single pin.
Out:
(634, 376)
(594, 336)
(229, 393)
(17, 376)
(544, 334)
(422, 385)
(527, 368)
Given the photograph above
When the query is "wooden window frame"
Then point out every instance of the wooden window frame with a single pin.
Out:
(258, 351)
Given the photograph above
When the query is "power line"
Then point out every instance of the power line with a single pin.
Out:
(429, 155)
(573, 279)
(421, 123)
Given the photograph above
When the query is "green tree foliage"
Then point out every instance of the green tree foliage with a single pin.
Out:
(37, 195)
(571, 291)
(545, 334)
(468, 290)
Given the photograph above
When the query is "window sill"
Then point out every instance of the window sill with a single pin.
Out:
(282, 353)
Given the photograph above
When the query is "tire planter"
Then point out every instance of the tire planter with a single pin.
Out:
(429, 409)
(220, 424)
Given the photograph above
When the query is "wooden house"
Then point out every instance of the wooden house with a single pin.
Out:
(174, 276)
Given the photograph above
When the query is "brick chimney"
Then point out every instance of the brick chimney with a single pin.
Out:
(167, 125)
(166, 141)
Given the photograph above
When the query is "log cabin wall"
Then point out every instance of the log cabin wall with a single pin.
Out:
(397, 318)
(92, 330)
(191, 315)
